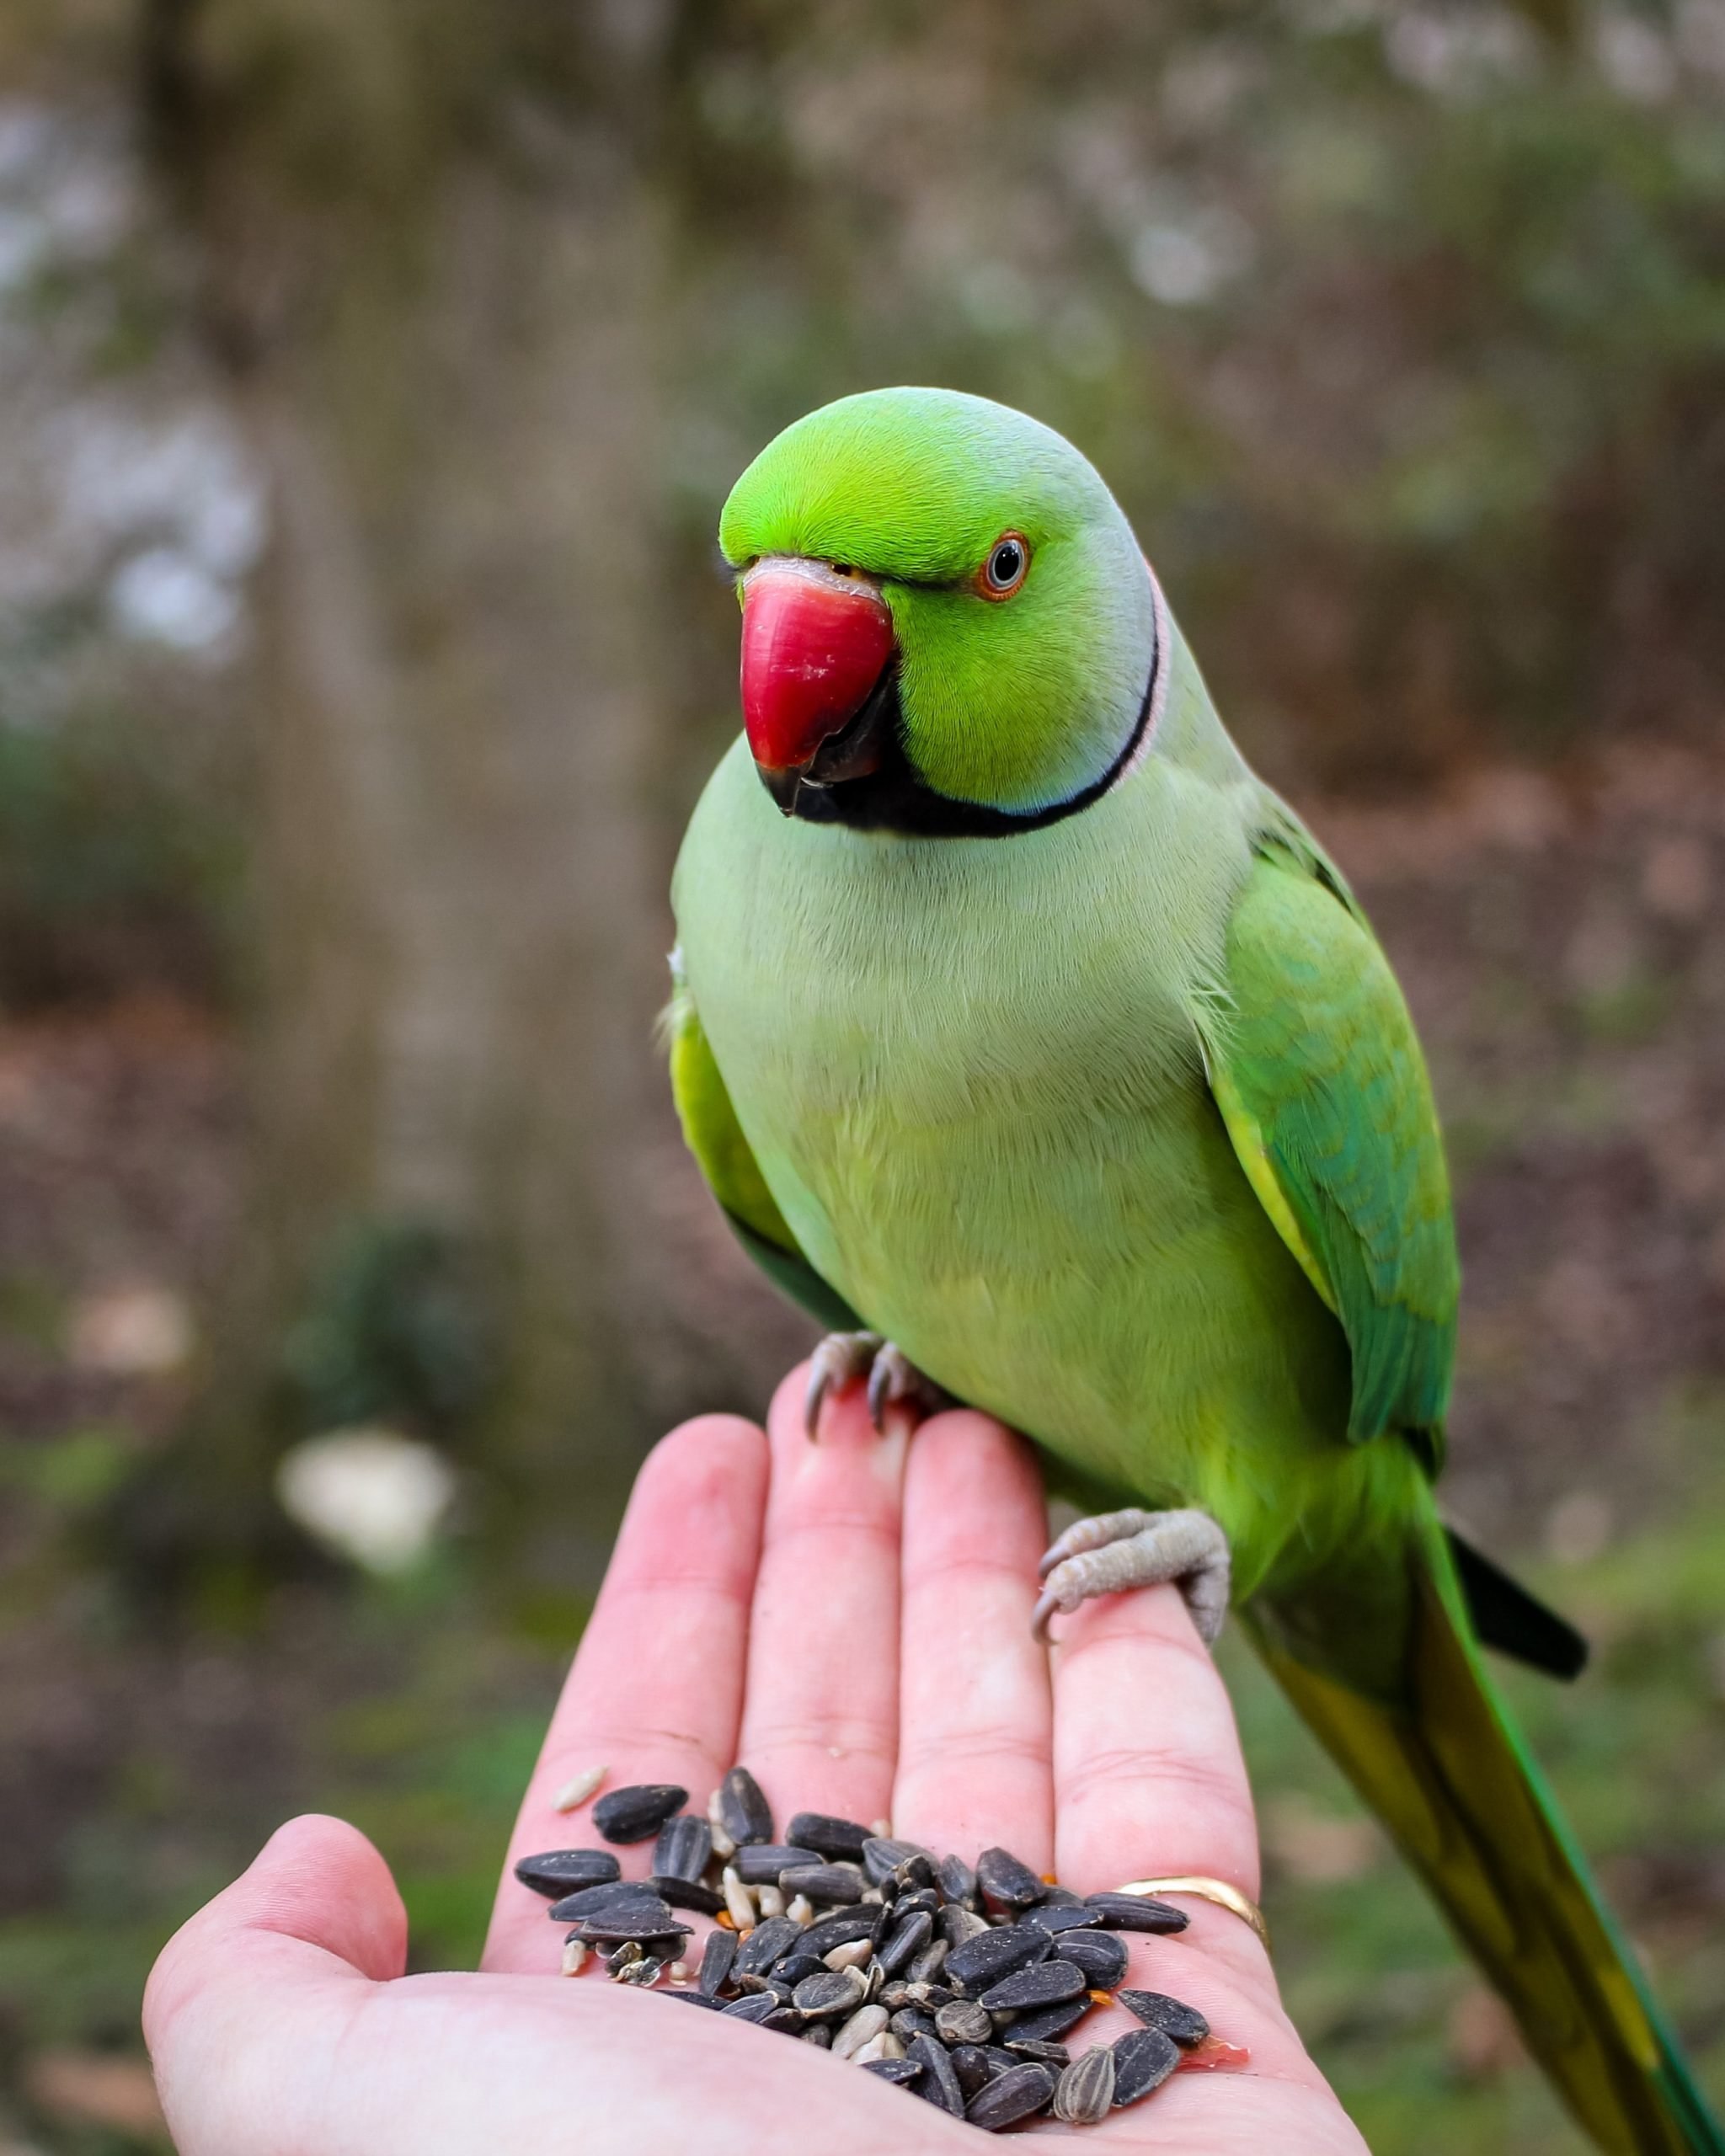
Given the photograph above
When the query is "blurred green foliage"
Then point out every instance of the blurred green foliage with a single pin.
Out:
(392, 1331)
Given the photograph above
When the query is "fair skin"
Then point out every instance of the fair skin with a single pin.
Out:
(852, 1620)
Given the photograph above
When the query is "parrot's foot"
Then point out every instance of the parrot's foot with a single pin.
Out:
(893, 1379)
(1134, 1548)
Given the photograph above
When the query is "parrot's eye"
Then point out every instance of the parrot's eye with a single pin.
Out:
(1004, 571)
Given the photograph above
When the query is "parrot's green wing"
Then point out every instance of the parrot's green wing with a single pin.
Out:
(722, 1153)
(1317, 1069)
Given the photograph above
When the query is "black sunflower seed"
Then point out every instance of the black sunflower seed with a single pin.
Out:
(1085, 2092)
(1143, 2060)
(687, 1894)
(840, 1928)
(743, 1812)
(957, 1881)
(1185, 2023)
(819, 2034)
(905, 1941)
(1020, 2094)
(1063, 1916)
(910, 2022)
(926, 1968)
(1049, 2023)
(916, 1897)
(1043, 1984)
(990, 1955)
(958, 1924)
(765, 1943)
(631, 1923)
(827, 1836)
(1102, 1956)
(684, 1845)
(1138, 1912)
(1007, 1882)
(758, 2006)
(940, 2085)
(1061, 1897)
(828, 1991)
(914, 1876)
(559, 1872)
(637, 1813)
(761, 1863)
(696, 1998)
(880, 1855)
(613, 1894)
(971, 2064)
(1000, 2060)
(823, 1882)
(1037, 2048)
(716, 1958)
(902, 2073)
(790, 1968)
(753, 1983)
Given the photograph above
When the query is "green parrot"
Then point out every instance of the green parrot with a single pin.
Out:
(1035, 1047)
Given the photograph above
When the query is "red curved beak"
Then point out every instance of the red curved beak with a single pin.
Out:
(814, 646)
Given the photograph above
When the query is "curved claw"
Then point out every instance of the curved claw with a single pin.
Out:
(1117, 1551)
(839, 1360)
(894, 1381)
(819, 1384)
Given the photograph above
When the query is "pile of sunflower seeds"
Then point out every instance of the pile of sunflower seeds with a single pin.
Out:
(957, 1983)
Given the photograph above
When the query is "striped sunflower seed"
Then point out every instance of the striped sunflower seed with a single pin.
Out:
(1085, 2092)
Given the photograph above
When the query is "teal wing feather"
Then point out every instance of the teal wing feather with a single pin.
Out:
(722, 1153)
(1318, 1073)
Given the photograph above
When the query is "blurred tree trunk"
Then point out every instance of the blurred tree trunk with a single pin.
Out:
(436, 260)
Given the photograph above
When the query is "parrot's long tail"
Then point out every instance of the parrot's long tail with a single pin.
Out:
(1444, 1771)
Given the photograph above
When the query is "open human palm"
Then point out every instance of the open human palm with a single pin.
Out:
(851, 1620)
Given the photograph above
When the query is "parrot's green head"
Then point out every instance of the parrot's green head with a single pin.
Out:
(948, 626)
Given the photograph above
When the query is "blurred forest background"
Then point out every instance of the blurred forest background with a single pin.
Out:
(370, 375)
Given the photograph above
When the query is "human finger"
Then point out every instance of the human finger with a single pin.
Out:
(281, 1955)
(820, 1719)
(975, 1713)
(657, 1685)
